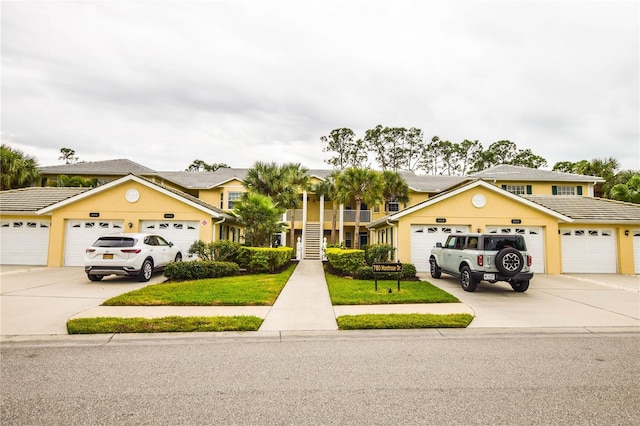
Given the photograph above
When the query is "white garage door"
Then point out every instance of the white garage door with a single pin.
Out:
(181, 233)
(82, 233)
(24, 242)
(534, 237)
(425, 237)
(589, 250)
(636, 250)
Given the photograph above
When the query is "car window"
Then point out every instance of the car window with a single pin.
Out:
(150, 240)
(451, 242)
(500, 242)
(114, 242)
(459, 243)
(162, 241)
(473, 243)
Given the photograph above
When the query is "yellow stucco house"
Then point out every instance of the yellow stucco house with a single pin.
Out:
(567, 229)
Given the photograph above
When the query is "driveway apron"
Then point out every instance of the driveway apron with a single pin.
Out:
(304, 303)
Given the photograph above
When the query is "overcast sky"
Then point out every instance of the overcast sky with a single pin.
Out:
(165, 83)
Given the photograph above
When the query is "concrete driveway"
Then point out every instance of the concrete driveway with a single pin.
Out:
(578, 300)
(39, 301)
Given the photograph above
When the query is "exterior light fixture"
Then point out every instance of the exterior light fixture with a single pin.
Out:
(626, 233)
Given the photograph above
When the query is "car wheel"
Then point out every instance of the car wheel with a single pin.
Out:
(520, 286)
(467, 281)
(93, 277)
(146, 271)
(178, 257)
(435, 270)
(509, 261)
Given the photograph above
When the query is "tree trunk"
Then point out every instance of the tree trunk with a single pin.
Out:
(334, 220)
(356, 233)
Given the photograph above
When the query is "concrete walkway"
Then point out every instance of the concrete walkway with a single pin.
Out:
(304, 303)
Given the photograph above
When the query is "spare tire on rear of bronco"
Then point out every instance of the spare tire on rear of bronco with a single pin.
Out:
(509, 261)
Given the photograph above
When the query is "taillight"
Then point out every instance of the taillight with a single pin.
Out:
(528, 260)
(90, 250)
(480, 260)
(137, 250)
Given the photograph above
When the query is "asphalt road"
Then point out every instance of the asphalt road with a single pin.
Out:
(410, 377)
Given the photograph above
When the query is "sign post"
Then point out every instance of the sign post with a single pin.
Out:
(386, 268)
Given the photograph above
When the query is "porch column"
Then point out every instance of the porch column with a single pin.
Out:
(341, 224)
(304, 221)
(321, 217)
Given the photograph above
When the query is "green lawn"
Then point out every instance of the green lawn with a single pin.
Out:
(403, 321)
(162, 325)
(241, 290)
(347, 291)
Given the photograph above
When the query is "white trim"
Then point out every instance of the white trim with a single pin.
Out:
(465, 188)
(120, 181)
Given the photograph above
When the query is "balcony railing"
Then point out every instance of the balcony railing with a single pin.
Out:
(349, 216)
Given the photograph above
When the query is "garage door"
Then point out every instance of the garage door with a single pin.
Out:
(636, 250)
(534, 237)
(24, 242)
(589, 250)
(181, 233)
(82, 233)
(425, 237)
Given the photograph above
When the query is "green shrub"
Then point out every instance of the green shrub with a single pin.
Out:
(199, 269)
(409, 270)
(225, 250)
(345, 261)
(221, 250)
(376, 253)
(264, 259)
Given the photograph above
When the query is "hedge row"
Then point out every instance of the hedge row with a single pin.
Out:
(346, 262)
(199, 269)
(353, 263)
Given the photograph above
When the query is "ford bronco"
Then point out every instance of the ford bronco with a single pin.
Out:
(483, 257)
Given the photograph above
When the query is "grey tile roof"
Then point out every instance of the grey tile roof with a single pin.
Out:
(430, 183)
(203, 180)
(109, 167)
(30, 200)
(518, 173)
(585, 209)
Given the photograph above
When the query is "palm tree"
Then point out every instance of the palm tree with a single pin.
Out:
(280, 183)
(361, 186)
(296, 179)
(263, 178)
(629, 191)
(327, 188)
(395, 189)
(259, 217)
(18, 169)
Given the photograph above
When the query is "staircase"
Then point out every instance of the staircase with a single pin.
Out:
(312, 241)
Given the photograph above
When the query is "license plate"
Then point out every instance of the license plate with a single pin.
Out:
(107, 256)
(489, 277)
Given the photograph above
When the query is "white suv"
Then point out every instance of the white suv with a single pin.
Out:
(483, 257)
(129, 254)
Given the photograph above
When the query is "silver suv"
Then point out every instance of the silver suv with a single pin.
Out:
(483, 257)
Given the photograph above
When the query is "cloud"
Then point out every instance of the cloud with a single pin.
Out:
(164, 83)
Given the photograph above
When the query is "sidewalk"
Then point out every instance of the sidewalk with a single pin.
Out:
(303, 305)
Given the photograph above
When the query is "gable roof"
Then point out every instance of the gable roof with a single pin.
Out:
(589, 209)
(464, 188)
(117, 167)
(30, 200)
(173, 193)
(519, 173)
